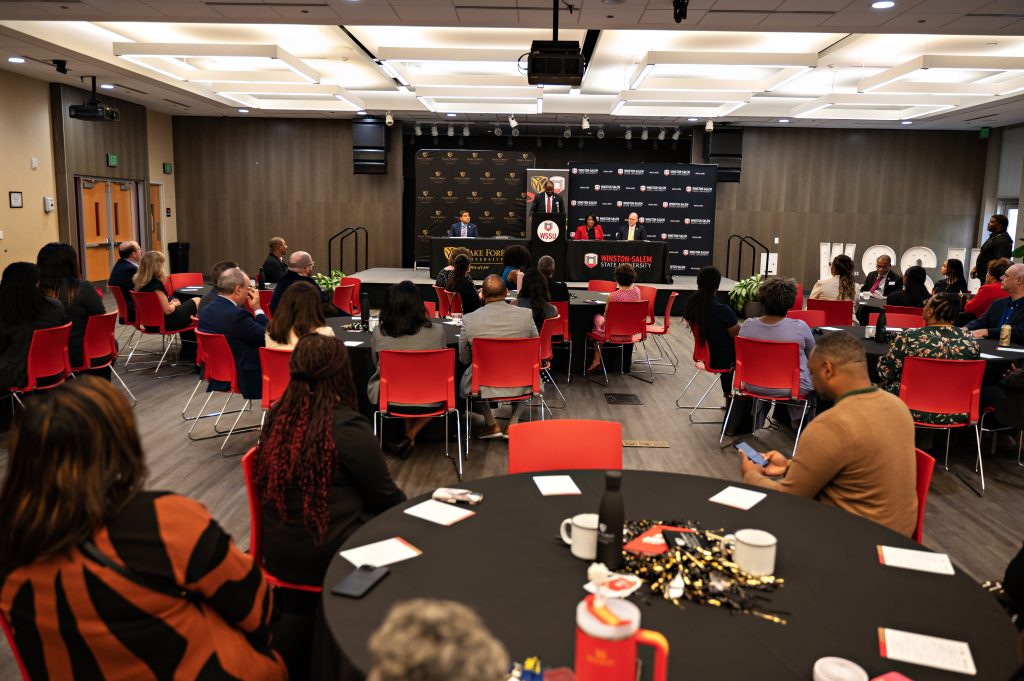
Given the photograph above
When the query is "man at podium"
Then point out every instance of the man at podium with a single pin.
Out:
(463, 227)
(548, 201)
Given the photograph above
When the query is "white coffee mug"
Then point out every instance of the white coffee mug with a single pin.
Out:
(753, 551)
(581, 535)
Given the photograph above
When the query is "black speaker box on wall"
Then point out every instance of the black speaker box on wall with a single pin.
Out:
(724, 147)
(369, 147)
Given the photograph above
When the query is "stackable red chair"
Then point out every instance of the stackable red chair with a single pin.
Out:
(219, 365)
(99, 347)
(903, 309)
(122, 313)
(799, 302)
(624, 320)
(702, 363)
(48, 363)
(342, 298)
(356, 284)
(183, 279)
(431, 309)
(769, 365)
(9, 634)
(897, 320)
(655, 330)
(149, 319)
(419, 378)
(837, 312)
(548, 329)
(274, 365)
(945, 386)
(601, 285)
(925, 468)
(256, 528)
(650, 294)
(266, 295)
(505, 363)
(812, 318)
(566, 444)
(448, 302)
(563, 335)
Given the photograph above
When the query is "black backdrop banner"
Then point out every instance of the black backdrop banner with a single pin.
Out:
(674, 201)
(491, 185)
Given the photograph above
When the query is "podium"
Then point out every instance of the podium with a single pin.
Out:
(547, 237)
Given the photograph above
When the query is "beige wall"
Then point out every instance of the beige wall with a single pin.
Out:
(161, 150)
(24, 135)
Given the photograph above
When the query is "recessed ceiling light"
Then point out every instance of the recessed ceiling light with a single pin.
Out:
(450, 115)
(783, 120)
(107, 86)
(883, 4)
(243, 111)
(692, 120)
(906, 122)
(16, 60)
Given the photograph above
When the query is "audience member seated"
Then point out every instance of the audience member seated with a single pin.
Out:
(299, 314)
(442, 277)
(300, 268)
(939, 339)
(625, 291)
(1008, 399)
(954, 282)
(245, 332)
(914, 292)
(557, 289)
(589, 230)
(460, 282)
(713, 322)
(840, 286)
(431, 640)
(177, 315)
(274, 267)
(516, 260)
(182, 601)
(23, 309)
(883, 280)
(1004, 311)
(403, 325)
(59, 278)
(534, 296)
(215, 273)
(124, 269)
(494, 320)
(319, 472)
(777, 296)
(858, 455)
(990, 291)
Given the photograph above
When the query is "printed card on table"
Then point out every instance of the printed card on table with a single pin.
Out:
(384, 552)
(737, 497)
(651, 542)
(556, 485)
(439, 512)
(927, 651)
(911, 559)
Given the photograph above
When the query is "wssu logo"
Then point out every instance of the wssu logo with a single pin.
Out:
(590, 260)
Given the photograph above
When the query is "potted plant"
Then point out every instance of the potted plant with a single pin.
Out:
(743, 296)
(329, 282)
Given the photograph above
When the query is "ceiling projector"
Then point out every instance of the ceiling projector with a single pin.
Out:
(554, 62)
(94, 111)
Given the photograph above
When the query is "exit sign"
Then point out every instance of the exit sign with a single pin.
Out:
(111, 160)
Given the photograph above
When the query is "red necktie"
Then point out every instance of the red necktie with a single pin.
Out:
(878, 280)
(549, 205)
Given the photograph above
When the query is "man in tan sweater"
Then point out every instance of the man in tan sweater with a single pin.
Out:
(858, 455)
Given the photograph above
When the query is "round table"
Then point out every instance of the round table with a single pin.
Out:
(509, 565)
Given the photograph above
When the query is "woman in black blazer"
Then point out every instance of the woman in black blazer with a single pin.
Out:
(59, 278)
(23, 309)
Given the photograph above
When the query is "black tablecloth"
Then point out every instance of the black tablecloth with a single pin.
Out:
(592, 259)
(508, 564)
(488, 253)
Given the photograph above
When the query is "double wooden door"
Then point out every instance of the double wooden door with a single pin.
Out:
(108, 215)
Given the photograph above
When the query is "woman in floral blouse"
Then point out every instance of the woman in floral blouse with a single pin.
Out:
(938, 340)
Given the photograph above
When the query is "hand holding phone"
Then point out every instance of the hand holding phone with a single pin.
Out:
(751, 453)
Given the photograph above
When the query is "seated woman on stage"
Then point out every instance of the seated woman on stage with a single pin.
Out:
(938, 340)
(626, 292)
(954, 282)
(713, 322)
(59, 278)
(23, 309)
(840, 286)
(462, 283)
(516, 260)
(103, 578)
(177, 315)
(535, 296)
(914, 292)
(445, 274)
(299, 313)
(590, 230)
(990, 291)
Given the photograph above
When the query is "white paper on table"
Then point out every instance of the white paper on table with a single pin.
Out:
(928, 651)
(1010, 349)
(556, 485)
(894, 328)
(601, 293)
(737, 497)
(830, 328)
(439, 512)
(911, 559)
(352, 344)
(987, 356)
(384, 552)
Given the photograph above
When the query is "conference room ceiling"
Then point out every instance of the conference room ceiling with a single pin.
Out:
(829, 63)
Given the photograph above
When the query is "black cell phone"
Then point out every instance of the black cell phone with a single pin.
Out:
(360, 581)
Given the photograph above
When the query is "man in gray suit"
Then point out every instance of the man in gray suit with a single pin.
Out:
(495, 319)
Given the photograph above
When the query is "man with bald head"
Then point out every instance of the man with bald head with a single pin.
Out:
(496, 319)
(1005, 310)
(245, 332)
(632, 230)
(274, 267)
(300, 268)
(124, 269)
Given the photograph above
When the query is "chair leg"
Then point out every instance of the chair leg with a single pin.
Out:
(725, 421)
(947, 448)
(799, 429)
(203, 410)
(469, 409)
(123, 385)
(647, 359)
(1020, 441)
(248, 404)
(980, 466)
(685, 388)
(551, 378)
(458, 434)
(568, 378)
(698, 406)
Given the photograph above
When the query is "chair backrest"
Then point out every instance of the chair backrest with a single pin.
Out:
(563, 319)
(274, 366)
(601, 285)
(99, 342)
(219, 360)
(942, 386)
(182, 279)
(837, 312)
(549, 328)
(454, 302)
(122, 304)
(9, 634)
(564, 444)
(48, 357)
(811, 318)
(200, 353)
(343, 298)
(902, 309)
(626, 319)
(149, 314)
(667, 313)
(443, 301)
(799, 302)
(925, 468)
(266, 295)
(431, 308)
(897, 320)
(768, 364)
(417, 377)
(648, 293)
(99, 291)
(506, 363)
(357, 285)
(702, 354)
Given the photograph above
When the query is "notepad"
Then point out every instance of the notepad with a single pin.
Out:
(927, 651)
(912, 559)
(380, 553)
(439, 512)
(556, 485)
(737, 497)
(352, 344)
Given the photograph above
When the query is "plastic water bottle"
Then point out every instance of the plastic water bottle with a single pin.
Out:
(261, 281)
(611, 517)
(880, 327)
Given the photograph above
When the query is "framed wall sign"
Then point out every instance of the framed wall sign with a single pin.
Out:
(15, 199)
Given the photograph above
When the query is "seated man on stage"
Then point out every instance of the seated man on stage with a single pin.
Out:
(631, 231)
(548, 201)
(463, 227)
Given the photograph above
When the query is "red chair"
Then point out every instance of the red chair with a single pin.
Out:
(650, 294)
(656, 330)
(945, 386)
(925, 468)
(702, 363)
(274, 365)
(897, 320)
(548, 329)
(837, 312)
(623, 320)
(564, 334)
(812, 318)
(768, 365)
(431, 309)
(799, 302)
(183, 279)
(342, 298)
(505, 363)
(448, 302)
(149, 319)
(423, 379)
(99, 291)
(266, 295)
(566, 444)
(122, 312)
(99, 347)
(356, 284)
(256, 528)
(48, 363)
(9, 635)
(601, 285)
(219, 365)
(903, 309)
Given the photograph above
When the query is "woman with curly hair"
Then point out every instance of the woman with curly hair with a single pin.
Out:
(840, 286)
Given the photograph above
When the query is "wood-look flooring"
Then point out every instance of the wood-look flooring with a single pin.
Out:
(981, 533)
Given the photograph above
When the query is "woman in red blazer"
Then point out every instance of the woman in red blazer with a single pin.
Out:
(591, 230)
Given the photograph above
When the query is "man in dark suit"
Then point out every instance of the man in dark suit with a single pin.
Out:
(632, 230)
(998, 245)
(463, 227)
(245, 333)
(883, 279)
(548, 201)
(1005, 310)
(274, 266)
(300, 268)
(124, 269)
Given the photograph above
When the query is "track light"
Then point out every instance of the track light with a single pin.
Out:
(600, 133)
(433, 130)
(451, 130)
(567, 133)
(679, 8)
(497, 131)
(675, 135)
(709, 126)
(629, 133)
(512, 122)
(465, 130)
(418, 130)
(389, 120)
(585, 125)
(515, 132)
(661, 134)
(643, 134)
